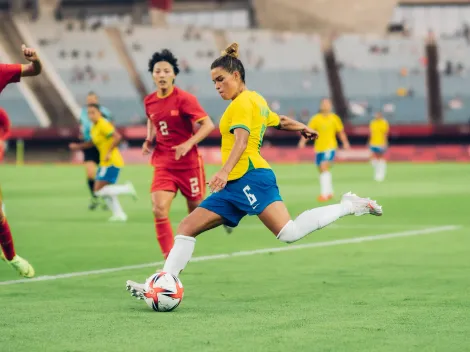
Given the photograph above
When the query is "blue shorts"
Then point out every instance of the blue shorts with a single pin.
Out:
(249, 195)
(377, 150)
(109, 174)
(327, 155)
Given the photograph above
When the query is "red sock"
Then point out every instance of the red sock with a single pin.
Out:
(164, 235)
(6, 241)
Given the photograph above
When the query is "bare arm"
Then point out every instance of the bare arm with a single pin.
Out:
(288, 124)
(80, 146)
(151, 133)
(206, 127)
(344, 139)
(35, 67)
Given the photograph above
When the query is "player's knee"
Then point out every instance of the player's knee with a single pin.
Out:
(186, 228)
(289, 233)
(160, 210)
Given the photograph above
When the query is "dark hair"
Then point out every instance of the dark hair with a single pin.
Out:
(96, 106)
(229, 61)
(92, 93)
(164, 55)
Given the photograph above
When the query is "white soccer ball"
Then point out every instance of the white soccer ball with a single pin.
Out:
(163, 292)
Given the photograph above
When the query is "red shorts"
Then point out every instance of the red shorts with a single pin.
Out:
(191, 182)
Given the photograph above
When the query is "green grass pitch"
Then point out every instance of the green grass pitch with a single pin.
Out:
(406, 293)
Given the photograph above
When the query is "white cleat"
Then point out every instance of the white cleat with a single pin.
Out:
(132, 190)
(361, 206)
(118, 218)
(228, 229)
(136, 289)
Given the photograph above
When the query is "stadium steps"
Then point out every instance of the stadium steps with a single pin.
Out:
(42, 87)
(117, 41)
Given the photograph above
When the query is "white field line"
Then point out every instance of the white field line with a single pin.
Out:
(244, 253)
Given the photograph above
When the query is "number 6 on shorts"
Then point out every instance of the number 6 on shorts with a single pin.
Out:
(251, 197)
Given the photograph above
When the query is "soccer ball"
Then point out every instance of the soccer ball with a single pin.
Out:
(163, 292)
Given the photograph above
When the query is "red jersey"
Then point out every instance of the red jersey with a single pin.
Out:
(174, 117)
(9, 73)
(4, 125)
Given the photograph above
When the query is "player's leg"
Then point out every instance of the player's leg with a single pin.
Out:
(105, 187)
(326, 181)
(161, 204)
(7, 252)
(381, 168)
(277, 219)
(2, 149)
(91, 160)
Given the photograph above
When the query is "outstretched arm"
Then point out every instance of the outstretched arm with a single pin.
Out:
(34, 68)
(206, 128)
(288, 124)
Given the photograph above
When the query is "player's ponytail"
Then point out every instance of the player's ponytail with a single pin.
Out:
(230, 62)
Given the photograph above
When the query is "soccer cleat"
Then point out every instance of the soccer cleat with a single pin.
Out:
(22, 266)
(361, 206)
(228, 229)
(137, 290)
(118, 218)
(132, 190)
(94, 202)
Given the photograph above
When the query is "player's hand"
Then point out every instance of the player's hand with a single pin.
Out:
(346, 146)
(74, 146)
(29, 53)
(182, 149)
(146, 148)
(309, 134)
(218, 181)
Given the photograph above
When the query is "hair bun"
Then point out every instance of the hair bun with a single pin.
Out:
(231, 50)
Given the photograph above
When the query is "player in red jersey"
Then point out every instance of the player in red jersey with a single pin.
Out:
(172, 113)
(12, 73)
(4, 132)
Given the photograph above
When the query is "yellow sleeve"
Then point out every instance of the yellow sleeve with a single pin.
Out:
(339, 124)
(273, 119)
(106, 128)
(241, 115)
(312, 123)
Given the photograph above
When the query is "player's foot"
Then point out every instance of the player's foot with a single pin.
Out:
(132, 190)
(361, 206)
(21, 265)
(228, 229)
(118, 218)
(94, 203)
(322, 198)
(136, 289)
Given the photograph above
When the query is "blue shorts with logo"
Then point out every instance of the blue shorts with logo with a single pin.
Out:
(109, 174)
(377, 149)
(249, 195)
(327, 155)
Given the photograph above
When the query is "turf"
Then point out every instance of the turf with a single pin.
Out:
(398, 294)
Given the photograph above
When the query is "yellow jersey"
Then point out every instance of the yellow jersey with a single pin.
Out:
(327, 125)
(101, 133)
(378, 132)
(251, 112)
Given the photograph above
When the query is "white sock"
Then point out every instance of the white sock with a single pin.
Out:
(324, 183)
(381, 169)
(314, 219)
(4, 210)
(114, 190)
(114, 205)
(180, 254)
(329, 182)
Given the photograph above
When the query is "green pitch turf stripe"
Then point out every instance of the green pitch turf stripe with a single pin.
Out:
(385, 236)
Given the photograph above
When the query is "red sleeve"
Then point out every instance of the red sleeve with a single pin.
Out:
(10, 73)
(4, 125)
(191, 108)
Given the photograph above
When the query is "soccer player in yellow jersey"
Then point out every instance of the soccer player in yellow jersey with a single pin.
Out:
(329, 126)
(106, 139)
(378, 143)
(246, 185)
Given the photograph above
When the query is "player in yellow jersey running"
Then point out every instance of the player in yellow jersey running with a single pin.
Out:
(329, 126)
(106, 139)
(246, 185)
(378, 143)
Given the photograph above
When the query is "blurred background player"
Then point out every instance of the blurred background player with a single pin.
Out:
(106, 139)
(172, 113)
(378, 143)
(12, 73)
(91, 156)
(4, 132)
(328, 125)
